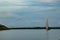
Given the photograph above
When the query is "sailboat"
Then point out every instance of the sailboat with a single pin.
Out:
(47, 26)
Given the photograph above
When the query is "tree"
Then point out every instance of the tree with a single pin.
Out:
(3, 27)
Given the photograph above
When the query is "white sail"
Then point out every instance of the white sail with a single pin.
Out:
(47, 25)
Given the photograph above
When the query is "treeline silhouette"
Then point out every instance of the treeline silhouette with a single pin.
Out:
(35, 28)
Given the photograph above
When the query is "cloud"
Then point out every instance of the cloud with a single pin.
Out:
(27, 2)
(8, 11)
(24, 2)
(13, 2)
(48, 1)
(34, 9)
(6, 14)
(42, 8)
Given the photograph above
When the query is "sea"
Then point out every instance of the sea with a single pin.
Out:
(31, 34)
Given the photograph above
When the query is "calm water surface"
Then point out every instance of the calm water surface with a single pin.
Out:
(29, 35)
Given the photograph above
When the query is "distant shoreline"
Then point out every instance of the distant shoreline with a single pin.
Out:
(32, 28)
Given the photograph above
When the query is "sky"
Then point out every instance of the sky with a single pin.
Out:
(29, 13)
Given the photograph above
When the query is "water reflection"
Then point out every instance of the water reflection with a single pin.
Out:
(29, 35)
